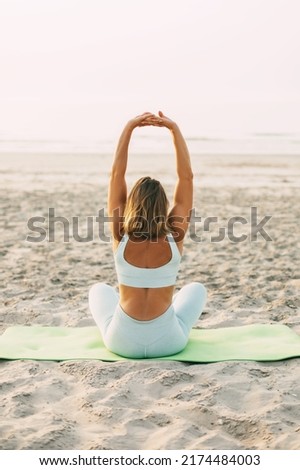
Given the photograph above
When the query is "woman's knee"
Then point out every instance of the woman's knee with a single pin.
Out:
(193, 290)
(198, 294)
(102, 303)
(99, 288)
(102, 295)
(198, 288)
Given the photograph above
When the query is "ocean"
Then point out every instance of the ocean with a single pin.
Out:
(244, 144)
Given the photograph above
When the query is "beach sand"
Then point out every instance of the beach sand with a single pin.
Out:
(143, 404)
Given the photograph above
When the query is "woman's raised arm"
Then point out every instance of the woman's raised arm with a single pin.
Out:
(117, 190)
(180, 213)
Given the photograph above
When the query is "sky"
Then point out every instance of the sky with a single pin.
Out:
(79, 69)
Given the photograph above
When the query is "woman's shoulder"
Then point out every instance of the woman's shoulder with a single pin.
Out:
(116, 240)
(172, 236)
(178, 239)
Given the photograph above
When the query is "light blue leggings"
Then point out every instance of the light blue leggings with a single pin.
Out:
(163, 336)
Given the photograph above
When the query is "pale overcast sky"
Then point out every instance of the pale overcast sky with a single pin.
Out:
(80, 68)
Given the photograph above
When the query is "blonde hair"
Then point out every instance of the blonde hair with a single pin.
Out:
(146, 208)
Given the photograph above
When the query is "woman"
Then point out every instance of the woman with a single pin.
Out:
(145, 319)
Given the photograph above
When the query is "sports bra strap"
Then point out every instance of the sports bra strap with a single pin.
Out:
(135, 276)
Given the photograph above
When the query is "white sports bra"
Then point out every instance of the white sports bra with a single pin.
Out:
(133, 276)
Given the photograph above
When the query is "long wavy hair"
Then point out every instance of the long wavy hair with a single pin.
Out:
(146, 210)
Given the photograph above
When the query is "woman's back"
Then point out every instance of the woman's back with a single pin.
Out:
(147, 271)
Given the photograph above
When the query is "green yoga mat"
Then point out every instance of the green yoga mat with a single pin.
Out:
(258, 342)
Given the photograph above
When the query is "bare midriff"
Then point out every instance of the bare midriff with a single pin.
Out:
(142, 303)
(146, 303)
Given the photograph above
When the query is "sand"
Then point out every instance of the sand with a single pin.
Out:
(157, 405)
